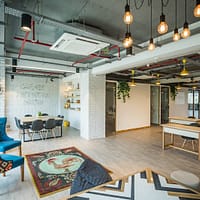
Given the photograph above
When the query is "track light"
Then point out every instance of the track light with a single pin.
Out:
(128, 17)
(151, 45)
(197, 9)
(128, 41)
(26, 23)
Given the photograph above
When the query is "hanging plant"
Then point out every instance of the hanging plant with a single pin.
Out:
(123, 90)
(173, 92)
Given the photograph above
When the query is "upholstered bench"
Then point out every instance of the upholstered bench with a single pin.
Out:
(186, 178)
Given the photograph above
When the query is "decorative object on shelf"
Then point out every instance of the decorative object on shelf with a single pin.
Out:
(123, 90)
(173, 92)
(39, 114)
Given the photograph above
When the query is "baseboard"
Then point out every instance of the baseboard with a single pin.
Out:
(132, 129)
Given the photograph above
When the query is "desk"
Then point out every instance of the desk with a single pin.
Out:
(43, 118)
(182, 130)
(183, 120)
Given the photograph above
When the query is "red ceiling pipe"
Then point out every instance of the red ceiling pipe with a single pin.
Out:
(83, 60)
(23, 44)
(34, 42)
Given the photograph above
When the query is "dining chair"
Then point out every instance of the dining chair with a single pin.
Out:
(6, 142)
(190, 139)
(37, 128)
(8, 162)
(59, 122)
(44, 114)
(49, 126)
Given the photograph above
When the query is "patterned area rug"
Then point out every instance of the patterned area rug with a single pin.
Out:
(144, 185)
(54, 171)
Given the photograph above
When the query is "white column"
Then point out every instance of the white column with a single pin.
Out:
(2, 59)
(92, 105)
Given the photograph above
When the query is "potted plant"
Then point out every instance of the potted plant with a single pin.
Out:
(173, 92)
(123, 90)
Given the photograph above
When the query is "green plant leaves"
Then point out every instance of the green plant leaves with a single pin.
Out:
(123, 90)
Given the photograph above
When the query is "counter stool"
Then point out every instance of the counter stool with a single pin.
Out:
(186, 178)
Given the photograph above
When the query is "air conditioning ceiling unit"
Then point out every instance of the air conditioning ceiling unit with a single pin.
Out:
(74, 44)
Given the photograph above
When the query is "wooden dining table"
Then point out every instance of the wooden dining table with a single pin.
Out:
(29, 120)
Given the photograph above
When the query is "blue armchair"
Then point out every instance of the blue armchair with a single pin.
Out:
(8, 162)
(6, 142)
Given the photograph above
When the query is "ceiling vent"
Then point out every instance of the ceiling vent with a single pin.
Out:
(69, 43)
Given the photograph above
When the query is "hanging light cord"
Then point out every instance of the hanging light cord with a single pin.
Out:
(140, 5)
(185, 10)
(175, 13)
(151, 17)
(165, 4)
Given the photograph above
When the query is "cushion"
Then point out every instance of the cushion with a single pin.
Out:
(90, 174)
(5, 165)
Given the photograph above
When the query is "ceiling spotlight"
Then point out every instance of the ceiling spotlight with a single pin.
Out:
(128, 17)
(197, 9)
(128, 41)
(26, 23)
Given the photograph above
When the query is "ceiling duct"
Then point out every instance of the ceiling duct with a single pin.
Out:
(74, 44)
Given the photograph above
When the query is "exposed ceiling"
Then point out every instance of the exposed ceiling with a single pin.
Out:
(101, 21)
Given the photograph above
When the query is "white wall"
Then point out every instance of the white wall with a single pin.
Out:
(179, 107)
(30, 95)
(73, 116)
(135, 113)
(92, 105)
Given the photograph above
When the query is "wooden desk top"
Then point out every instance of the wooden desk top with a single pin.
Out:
(182, 127)
(185, 119)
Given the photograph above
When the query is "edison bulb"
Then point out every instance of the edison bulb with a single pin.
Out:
(197, 10)
(185, 33)
(176, 35)
(162, 27)
(151, 45)
(127, 42)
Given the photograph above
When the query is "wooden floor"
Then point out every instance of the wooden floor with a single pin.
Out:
(123, 154)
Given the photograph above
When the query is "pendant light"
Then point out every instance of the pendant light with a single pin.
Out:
(186, 31)
(128, 41)
(197, 9)
(178, 87)
(129, 51)
(132, 83)
(151, 43)
(176, 35)
(162, 27)
(128, 17)
(158, 80)
(26, 23)
(184, 71)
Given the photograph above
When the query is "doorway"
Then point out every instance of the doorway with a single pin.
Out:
(164, 105)
(159, 105)
(110, 108)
